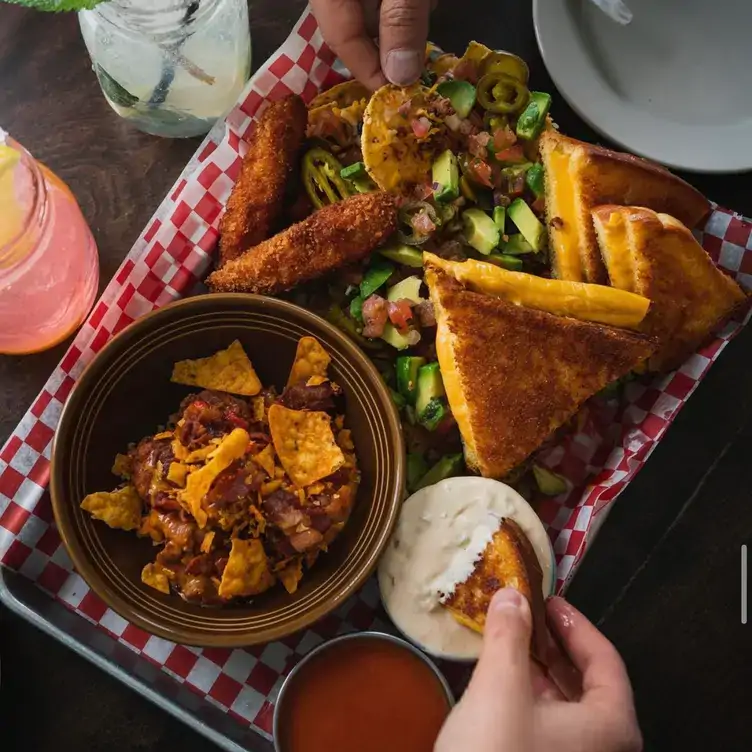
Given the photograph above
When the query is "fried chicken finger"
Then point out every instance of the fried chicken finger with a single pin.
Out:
(256, 199)
(332, 237)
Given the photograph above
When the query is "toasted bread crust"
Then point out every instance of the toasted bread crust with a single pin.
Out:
(690, 297)
(255, 202)
(509, 560)
(601, 176)
(522, 372)
(331, 237)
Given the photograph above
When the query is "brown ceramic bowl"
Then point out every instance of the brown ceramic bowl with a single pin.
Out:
(126, 393)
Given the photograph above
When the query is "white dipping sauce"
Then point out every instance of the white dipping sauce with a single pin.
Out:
(441, 533)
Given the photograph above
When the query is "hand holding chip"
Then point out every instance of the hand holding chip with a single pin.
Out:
(349, 27)
(512, 706)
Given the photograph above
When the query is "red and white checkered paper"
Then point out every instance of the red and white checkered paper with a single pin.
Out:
(168, 259)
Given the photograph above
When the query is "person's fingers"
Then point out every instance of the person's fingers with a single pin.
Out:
(604, 676)
(403, 32)
(543, 687)
(560, 669)
(343, 27)
(501, 680)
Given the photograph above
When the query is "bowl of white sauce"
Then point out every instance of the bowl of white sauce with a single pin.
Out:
(441, 533)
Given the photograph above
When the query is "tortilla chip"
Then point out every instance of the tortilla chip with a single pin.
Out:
(311, 359)
(122, 466)
(120, 510)
(475, 53)
(305, 444)
(291, 575)
(443, 64)
(155, 576)
(247, 571)
(178, 473)
(342, 95)
(183, 454)
(265, 460)
(199, 481)
(206, 543)
(394, 157)
(228, 370)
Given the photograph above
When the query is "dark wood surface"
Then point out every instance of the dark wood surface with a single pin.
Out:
(663, 578)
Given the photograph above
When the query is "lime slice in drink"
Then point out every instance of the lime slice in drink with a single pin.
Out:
(11, 212)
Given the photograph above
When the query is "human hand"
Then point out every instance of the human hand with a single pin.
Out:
(350, 26)
(511, 705)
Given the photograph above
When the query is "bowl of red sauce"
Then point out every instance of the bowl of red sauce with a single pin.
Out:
(368, 692)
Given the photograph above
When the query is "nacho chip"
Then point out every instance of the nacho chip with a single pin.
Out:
(183, 454)
(342, 95)
(228, 370)
(178, 473)
(120, 509)
(265, 460)
(395, 158)
(291, 575)
(443, 64)
(475, 53)
(122, 466)
(247, 571)
(311, 359)
(199, 481)
(304, 443)
(206, 543)
(156, 576)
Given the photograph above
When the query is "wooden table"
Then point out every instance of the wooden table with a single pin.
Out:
(662, 580)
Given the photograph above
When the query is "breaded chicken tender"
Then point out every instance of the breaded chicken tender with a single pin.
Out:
(255, 203)
(336, 235)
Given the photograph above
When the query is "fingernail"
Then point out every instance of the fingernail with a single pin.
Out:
(508, 599)
(403, 67)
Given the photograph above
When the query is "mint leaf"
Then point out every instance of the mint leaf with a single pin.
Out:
(116, 93)
(57, 5)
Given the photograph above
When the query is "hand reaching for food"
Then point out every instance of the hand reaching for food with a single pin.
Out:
(511, 705)
(350, 26)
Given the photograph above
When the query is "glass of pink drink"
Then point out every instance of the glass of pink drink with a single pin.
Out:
(49, 269)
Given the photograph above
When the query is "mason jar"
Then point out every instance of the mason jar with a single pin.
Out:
(169, 67)
(49, 267)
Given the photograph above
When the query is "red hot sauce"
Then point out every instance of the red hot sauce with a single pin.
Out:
(362, 695)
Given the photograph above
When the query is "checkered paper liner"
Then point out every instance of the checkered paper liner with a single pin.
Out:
(611, 443)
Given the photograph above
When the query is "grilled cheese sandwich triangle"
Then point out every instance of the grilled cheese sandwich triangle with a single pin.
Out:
(655, 255)
(514, 375)
(509, 560)
(581, 176)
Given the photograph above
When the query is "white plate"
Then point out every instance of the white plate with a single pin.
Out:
(674, 85)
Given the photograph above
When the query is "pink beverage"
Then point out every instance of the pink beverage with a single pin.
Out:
(49, 269)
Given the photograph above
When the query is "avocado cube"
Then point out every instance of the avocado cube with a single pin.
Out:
(500, 217)
(528, 224)
(446, 177)
(430, 386)
(479, 231)
(356, 170)
(460, 93)
(447, 467)
(404, 254)
(532, 119)
(392, 336)
(407, 368)
(534, 180)
(407, 289)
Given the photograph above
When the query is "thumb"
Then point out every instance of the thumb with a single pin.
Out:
(503, 671)
(403, 31)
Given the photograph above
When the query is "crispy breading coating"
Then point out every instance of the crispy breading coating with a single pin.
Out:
(256, 199)
(332, 237)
